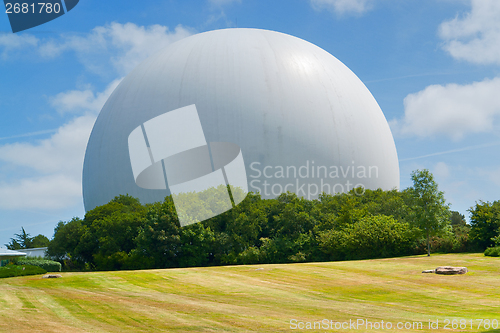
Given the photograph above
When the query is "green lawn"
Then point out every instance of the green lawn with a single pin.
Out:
(257, 298)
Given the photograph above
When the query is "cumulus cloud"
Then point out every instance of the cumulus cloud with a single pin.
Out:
(341, 7)
(51, 192)
(82, 100)
(116, 46)
(14, 42)
(475, 36)
(441, 170)
(54, 164)
(60, 152)
(452, 110)
(122, 45)
(457, 110)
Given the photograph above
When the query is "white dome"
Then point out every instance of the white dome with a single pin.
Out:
(302, 119)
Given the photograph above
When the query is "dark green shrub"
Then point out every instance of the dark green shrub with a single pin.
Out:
(48, 265)
(492, 251)
(371, 237)
(15, 270)
(454, 241)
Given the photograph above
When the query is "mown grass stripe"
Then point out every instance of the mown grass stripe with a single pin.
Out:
(260, 298)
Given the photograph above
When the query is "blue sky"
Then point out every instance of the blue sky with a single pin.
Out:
(432, 65)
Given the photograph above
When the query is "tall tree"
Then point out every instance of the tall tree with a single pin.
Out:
(457, 219)
(485, 223)
(21, 241)
(432, 214)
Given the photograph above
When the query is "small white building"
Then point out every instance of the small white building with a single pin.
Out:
(35, 252)
(9, 254)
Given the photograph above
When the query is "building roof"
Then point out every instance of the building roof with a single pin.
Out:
(9, 254)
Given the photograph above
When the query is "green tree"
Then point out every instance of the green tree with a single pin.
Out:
(431, 214)
(24, 240)
(66, 238)
(237, 230)
(159, 239)
(109, 231)
(21, 241)
(485, 224)
(292, 227)
(104, 238)
(389, 203)
(497, 238)
(457, 219)
(39, 241)
(196, 242)
(370, 237)
(14, 245)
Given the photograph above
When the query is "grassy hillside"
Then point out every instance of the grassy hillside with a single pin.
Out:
(259, 298)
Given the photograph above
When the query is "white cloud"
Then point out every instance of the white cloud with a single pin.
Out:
(82, 100)
(116, 47)
(441, 170)
(62, 152)
(452, 110)
(55, 165)
(123, 46)
(490, 173)
(341, 7)
(13, 42)
(457, 110)
(50, 192)
(475, 37)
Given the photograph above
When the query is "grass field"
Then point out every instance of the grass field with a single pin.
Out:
(259, 298)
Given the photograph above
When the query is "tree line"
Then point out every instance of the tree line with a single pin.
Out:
(23, 240)
(124, 234)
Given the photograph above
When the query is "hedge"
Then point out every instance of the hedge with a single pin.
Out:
(48, 265)
(13, 270)
(492, 251)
